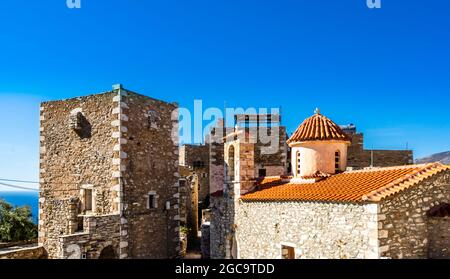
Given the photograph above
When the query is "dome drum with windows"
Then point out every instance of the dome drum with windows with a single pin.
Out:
(318, 146)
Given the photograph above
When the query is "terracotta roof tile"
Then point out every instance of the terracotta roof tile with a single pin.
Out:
(318, 127)
(354, 186)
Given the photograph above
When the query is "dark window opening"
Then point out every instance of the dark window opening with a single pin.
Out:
(230, 165)
(88, 199)
(262, 172)
(199, 164)
(337, 159)
(151, 201)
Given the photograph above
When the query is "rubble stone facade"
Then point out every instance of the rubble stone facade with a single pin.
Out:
(189, 210)
(109, 177)
(27, 253)
(320, 230)
(396, 227)
(406, 231)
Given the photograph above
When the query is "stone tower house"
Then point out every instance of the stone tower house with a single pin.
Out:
(109, 177)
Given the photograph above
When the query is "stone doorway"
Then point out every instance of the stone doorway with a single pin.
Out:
(108, 253)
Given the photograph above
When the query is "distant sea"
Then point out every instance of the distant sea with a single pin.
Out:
(22, 198)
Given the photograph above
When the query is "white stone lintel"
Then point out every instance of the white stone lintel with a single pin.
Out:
(117, 98)
(117, 110)
(115, 123)
(116, 135)
(123, 117)
(124, 105)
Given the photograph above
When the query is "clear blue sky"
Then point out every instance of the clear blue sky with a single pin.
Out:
(385, 70)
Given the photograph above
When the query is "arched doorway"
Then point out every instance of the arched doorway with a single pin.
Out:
(108, 253)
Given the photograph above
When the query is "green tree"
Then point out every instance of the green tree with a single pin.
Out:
(16, 223)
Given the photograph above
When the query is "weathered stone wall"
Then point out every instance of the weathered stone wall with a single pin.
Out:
(439, 237)
(220, 226)
(205, 241)
(314, 229)
(276, 156)
(71, 159)
(183, 205)
(99, 232)
(196, 159)
(119, 145)
(191, 154)
(403, 222)
(61, 217)
(203, 185)
(29, 253)
(216, 162)
(189, 207)
(150, 165)
(359, 158)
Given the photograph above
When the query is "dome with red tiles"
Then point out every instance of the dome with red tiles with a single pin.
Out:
(318, 128)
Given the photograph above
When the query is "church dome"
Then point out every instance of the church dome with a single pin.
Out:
(318, 128)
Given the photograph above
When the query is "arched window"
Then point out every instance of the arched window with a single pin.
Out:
(337, 160)
(230, 163)
(298, 162)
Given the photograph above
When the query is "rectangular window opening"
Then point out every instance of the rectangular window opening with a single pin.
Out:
(88, 199)
(262, 172)
(151, 201)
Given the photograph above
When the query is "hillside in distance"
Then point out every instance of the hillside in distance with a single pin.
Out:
(443, 157)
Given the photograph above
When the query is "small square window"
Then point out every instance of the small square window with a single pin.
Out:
(262, 172)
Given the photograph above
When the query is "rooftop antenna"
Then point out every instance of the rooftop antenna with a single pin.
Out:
(407, 146)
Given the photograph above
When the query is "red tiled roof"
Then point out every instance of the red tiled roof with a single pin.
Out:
(354, 186)
(318, 127)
